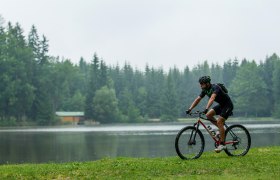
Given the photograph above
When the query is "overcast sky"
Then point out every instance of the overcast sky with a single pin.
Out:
(161, 33)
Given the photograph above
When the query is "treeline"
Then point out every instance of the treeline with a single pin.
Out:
(34, 85)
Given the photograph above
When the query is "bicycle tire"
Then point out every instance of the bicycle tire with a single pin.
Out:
(240, 134)
(186, 147)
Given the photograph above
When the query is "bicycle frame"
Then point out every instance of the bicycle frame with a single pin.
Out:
(217, 140)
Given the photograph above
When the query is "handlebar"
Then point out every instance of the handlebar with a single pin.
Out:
(197, 112)
(200, 115)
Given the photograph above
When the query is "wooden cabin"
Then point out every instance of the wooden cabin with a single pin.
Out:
(71, 117)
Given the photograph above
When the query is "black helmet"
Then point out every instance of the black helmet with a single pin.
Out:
(204, 79)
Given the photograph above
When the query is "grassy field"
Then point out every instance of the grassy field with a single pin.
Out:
(259, 163)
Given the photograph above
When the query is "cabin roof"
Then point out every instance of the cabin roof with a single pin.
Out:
(67, 113)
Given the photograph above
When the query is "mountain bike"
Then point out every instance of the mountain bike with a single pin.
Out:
(189, 142)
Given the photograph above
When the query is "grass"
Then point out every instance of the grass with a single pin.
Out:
(259, 163)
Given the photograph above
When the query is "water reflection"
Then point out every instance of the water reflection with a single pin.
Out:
(60, 144)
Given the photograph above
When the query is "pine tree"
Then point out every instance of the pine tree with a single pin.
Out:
(34, 43)
(93, 86)
(103, 78)
(169, 103)
(276, 89)
(229, 72)
(267, 70)
(154, 86)
(43, 108)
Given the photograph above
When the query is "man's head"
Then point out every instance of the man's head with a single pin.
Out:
(205, 82)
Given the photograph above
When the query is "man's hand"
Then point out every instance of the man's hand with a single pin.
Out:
(188, 111)
(205, 111)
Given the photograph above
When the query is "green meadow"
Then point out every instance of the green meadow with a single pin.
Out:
(259, 163)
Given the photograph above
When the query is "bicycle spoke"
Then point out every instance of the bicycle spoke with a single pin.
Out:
(189, 143)
(238, 140)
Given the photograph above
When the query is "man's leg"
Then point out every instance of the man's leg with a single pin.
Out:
(210, 115)
(220, 123)
(225, 113)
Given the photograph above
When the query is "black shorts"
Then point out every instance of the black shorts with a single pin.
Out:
(224, 111)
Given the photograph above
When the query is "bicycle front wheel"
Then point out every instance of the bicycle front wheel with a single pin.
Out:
(239, 140)
(189, 143)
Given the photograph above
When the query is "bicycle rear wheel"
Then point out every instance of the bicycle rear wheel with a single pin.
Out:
(189, 143)
(240, 138)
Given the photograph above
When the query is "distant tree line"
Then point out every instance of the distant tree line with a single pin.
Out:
(34, 85)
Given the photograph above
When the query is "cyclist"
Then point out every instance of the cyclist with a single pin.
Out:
(223, 108)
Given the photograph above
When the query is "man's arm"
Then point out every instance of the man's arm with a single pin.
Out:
(195, 102)
(211, 100)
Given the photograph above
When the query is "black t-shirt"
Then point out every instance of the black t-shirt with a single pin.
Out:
(222, 98)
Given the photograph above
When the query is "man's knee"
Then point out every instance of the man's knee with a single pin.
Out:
(210, 114)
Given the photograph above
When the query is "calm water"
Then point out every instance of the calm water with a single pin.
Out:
(80, 143)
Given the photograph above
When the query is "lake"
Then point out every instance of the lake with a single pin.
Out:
(88, 143)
